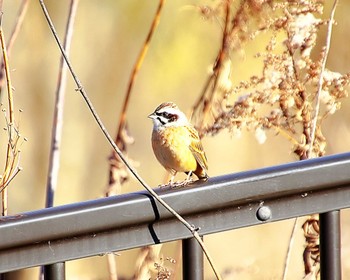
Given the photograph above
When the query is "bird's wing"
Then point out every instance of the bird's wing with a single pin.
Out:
(197, 149)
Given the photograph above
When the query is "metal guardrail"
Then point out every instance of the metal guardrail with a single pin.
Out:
(100, 226)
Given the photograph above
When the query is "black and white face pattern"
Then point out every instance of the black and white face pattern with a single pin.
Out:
(165, 117)
(168, 114)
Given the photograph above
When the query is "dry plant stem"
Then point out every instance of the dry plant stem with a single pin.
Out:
(146, 259)
(4, 195)
(19, 20)
(112, 187)
(145, 262)
(56, 137)
(117, 171)
(8, 79)
(12, 158)
(290, 246)
(202, 95)
(8, 181)
(112, 268)
(114, 182)
(314, 120)
(210, 86)
(319, 87)
(12, 167)
(177, 257)
(219, 61)
(138, 64)
(191, 228)
(320, 79)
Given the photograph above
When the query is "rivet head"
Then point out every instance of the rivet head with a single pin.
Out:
(264, 213)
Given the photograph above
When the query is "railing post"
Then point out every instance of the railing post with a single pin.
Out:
(330, 245)
(56, 271)
(192, 260)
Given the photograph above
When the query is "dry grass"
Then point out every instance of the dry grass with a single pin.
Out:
(292, 96)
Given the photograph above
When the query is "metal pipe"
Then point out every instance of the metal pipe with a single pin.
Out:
(330, 245)
(56, 271)
(133, 220)
(192, 260)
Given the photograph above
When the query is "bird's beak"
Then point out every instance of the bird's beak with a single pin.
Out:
(152, 116)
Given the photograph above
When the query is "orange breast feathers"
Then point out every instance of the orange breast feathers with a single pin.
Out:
(178, 150)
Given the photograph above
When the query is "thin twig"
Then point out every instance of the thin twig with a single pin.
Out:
(138, 64)
(8, 78)
(120, 138)
(145, 262)
(214, 77)
(320, 79)
(12, 157)
(289, 251)
(56, 137)
(19, 21)
(117, 175)
(221, 58)
(223, 51)
(112, 268)
(18, 24)
(202, 95)
(191, 228)
(8, 165)
(9, 180)
(12, 167)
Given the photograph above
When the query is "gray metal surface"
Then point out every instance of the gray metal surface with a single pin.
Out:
(192, 260)
(330, 245)
(132, 220)
(56, 271)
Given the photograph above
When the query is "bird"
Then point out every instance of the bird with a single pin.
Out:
(176, 143)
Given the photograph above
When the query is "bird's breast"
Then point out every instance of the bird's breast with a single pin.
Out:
(171, 147)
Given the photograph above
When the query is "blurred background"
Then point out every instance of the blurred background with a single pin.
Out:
(107, 38)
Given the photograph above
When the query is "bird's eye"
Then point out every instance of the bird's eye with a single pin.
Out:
(163, 114)
(172, 117)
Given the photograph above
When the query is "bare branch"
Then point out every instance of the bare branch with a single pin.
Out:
(54, 160)
(117, 170)
(19, 21)
(289, 250)
(320, 79)
(9, 162)
(122, 137)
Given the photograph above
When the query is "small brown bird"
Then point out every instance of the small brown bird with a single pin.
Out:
(176, 143)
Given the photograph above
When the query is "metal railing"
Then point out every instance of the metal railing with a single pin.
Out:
(59, 234)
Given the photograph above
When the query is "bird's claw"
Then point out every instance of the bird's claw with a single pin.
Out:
(177, 184)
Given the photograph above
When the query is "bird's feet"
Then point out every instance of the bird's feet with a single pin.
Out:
(177, 184)
(181, 183)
